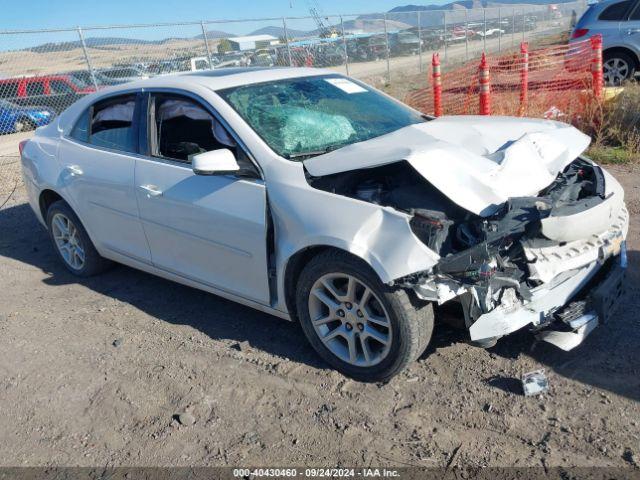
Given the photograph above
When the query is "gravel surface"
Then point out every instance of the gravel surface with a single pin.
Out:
(130, 369)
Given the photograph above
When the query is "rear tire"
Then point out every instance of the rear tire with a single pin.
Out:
(618, 67)
(341, 325)
(23, 125)
(72, 243)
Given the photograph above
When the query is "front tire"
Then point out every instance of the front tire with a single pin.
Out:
(72, 243)
(363, 328)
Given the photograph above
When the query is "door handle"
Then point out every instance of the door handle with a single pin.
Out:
(74, 170)
(631, 31)
(151, 190)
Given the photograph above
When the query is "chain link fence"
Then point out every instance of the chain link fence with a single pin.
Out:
(550, 82)
(42, 72)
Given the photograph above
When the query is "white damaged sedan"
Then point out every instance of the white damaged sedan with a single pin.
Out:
(313, 197)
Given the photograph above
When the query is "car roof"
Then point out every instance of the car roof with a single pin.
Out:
(218, 79)
(56, 76)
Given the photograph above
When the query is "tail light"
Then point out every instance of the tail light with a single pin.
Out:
(579, 32)
(21, 146)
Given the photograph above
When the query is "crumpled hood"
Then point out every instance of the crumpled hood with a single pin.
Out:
(478, 162)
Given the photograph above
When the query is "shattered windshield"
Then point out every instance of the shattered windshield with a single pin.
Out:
(303, 117)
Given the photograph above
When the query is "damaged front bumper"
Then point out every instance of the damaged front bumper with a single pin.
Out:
(576, 320)
(582, 282)
(550, 312)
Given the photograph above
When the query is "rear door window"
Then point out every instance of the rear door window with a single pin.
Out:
(615, 12)
(112, 124)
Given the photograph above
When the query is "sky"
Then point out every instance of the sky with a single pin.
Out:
(36, 14)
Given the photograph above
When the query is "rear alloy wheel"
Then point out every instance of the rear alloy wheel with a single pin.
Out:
(617, 68)
(361, 327)
(67, 240)
(72, 243)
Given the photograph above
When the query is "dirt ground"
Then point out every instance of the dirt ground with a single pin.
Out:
(103, 371)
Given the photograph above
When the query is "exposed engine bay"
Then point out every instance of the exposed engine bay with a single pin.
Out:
(485, 262)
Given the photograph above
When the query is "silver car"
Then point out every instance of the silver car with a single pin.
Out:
(618, 21)
(312, 196)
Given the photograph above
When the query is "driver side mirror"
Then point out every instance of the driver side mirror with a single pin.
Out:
(215, 162)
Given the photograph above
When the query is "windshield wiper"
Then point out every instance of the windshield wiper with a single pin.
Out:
(314, 153)
(307, 154)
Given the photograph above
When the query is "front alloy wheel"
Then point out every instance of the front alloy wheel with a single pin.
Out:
(360, 326)
(350, 320)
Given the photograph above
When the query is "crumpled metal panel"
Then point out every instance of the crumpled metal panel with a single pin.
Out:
(478, 162)
(547, 262)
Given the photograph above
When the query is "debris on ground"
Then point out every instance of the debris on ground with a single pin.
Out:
(117, 342)
(535, 383)
(243, 346)
(186, 419)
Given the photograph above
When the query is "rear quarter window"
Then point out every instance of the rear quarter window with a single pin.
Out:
(80, 130)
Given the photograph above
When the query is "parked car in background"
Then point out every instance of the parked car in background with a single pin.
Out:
(123, 74)
(56, 92)
(261, 58)
(83, 77)
(433, 38)
(178, 64)
(618, 21)
(376, 47)
(14, 118)
(233, 59)
(406, 43)
(356, 50)
(328, 54)
(314, 197)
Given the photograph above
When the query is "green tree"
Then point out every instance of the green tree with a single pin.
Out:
(224, 45)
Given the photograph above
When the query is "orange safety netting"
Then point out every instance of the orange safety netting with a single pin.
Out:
(559, 80)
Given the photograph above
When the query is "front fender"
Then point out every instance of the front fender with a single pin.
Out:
(305, 217)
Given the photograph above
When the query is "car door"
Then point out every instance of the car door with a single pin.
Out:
(630, 28)
(610, 23)
(98, 167)
(209, 229)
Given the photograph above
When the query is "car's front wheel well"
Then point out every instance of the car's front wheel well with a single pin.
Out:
(47, 198)
(294, 268)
